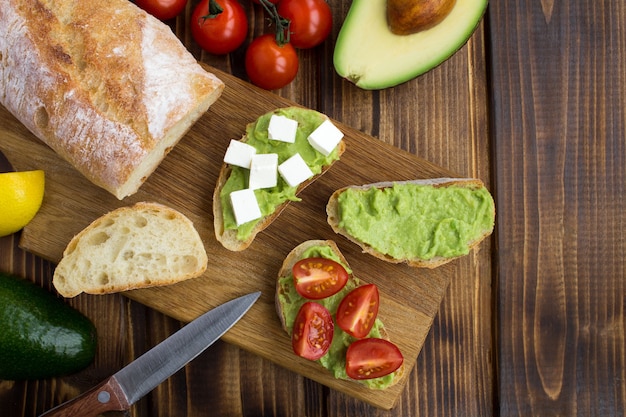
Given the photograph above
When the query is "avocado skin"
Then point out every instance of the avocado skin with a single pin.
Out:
(41, 336)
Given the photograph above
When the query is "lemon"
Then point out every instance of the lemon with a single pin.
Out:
(21, 194)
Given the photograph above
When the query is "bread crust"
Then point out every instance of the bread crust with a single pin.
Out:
(290, 260)
(228, 238)
(333, 218)
(106, 85)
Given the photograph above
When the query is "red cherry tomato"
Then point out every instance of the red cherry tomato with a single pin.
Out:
(311, 21)
(317, 278)
(162, 9)
(269, 65)
(372, 358)
(358, 310)
(313, 331)
(223, 33)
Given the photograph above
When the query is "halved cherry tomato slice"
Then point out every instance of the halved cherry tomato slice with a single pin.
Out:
(372, 358)
(358, 310)
(313, 331)
(317, 278)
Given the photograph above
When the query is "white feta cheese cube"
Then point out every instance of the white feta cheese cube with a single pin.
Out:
(295, 170)
(325, 138)
(263, 171)
(282, 128)
(245, 207)
(239, 154)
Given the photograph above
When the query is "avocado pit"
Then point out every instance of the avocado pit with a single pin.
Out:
(406, 17)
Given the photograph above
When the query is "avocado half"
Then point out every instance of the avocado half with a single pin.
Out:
(368, 54)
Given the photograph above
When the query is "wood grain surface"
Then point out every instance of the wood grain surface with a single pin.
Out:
(185, 180)
(533, 105)
(560, 152)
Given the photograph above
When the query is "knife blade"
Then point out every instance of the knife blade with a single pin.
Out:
(141, 376)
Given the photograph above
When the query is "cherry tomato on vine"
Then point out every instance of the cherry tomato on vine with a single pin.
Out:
(317, 278)
(358, 310)
(313, 331)
(223, 32)
(311, 21)
(270, 65)
(162, 9)
(372, 358)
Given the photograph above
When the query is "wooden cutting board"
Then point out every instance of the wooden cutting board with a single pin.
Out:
(410, 298)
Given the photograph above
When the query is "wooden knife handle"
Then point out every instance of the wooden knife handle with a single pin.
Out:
(108, 396)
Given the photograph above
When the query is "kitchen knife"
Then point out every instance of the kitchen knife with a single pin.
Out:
(145, 373)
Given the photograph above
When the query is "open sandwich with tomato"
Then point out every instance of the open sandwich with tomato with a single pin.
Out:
(281, 153)
(332, 316)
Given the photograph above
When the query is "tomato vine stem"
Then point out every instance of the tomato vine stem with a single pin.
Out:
(214, 10)
(282, 24)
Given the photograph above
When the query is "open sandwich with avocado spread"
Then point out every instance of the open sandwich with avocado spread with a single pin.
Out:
(332, 316)
(281, 153)
(424, 223)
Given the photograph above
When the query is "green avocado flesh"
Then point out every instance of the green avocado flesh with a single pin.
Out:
(408, 221)
(41, 336)
(371, 56)
(335, 358)
(270, 198)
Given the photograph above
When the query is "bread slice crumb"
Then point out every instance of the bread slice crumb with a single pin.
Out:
(144, 245)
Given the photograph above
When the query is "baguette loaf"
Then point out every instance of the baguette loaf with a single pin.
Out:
(104, 84)
(228, 237)
(144, 245)
(285, 294)
(336, 221)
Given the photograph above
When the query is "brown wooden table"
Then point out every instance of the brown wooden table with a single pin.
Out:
(532, 323)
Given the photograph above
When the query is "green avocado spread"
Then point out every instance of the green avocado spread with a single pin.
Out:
(407, 220)
(335, 358)
(270, 198)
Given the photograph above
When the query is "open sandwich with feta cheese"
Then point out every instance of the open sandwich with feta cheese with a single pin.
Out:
(280, 154)
(424, 223)
(332, 316)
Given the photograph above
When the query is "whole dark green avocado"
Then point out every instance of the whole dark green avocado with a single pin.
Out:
(40, 335)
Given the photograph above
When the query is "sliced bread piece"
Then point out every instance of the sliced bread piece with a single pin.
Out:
(413, 221)
(239, 237)
(144, 245)
(288, 301)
